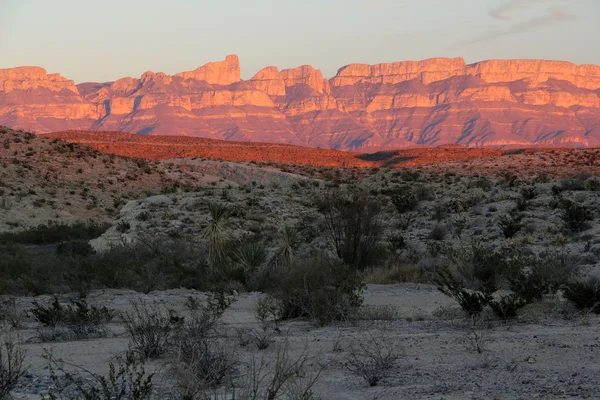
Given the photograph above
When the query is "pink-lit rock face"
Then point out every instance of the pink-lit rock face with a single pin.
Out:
(218, 73)
(364, 107)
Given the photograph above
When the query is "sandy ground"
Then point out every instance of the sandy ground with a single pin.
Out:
(542, 355)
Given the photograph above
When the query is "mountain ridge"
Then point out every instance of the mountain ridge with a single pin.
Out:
(432, 102)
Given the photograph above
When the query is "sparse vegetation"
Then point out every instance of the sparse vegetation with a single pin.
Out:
(12, 366)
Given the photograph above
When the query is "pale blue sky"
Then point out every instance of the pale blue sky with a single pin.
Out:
(107, 39)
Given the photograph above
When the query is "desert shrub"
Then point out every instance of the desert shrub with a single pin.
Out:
(12, 367)
(573, 183)
(55, 233)
(200, 360)
(285, 377)
(438, 232)
(319, 288)
(126, 380)
(533, 276)
(404, 201)
(354, 227)
(508, 306)
(521, 204)
(201, 363)
(584, 295)
(510, 224)
(478, 267)
(74, 248)
(471, 302)
(143, 216)
(575, 216)
(458, 226)
(481, 183)
(528, 192)
(10, 312)
(457, 205)
(592, 185)
(373, 360)
(123, 226)
(80, 319)
(150, 328)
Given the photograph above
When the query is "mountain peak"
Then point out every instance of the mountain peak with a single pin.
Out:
(217, 73)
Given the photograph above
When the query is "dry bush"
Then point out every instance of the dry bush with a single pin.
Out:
(286, 377)
(10, 312)
(201, 360)
(201, 363)
(126, 380)
(76, 321)
(12, 366)
(150, 328)
(374, 359)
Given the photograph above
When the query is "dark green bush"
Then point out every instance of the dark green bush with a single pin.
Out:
(55, 233)
(320, 289)
(575, 215)
(584, 295)
(354, 226)
(472, 302)
(508, 306)
(75, 248)
(528, 192)
(533, 276)
(404, 201)
(79, 318)
(510, 224)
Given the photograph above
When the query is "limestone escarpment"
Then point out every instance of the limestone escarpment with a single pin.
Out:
(364, 107)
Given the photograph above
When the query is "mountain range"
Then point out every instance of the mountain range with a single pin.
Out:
(500, 103)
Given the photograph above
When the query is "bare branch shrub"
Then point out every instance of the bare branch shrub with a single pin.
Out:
(373, 360)
(150, 327)
(12, 367)
(126, 380)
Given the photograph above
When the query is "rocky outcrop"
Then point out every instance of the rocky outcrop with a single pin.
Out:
(536, 71)
(364, 107)
(270, 81)
(306, 75)
(30, 98)
(427, 71)
(217, 73)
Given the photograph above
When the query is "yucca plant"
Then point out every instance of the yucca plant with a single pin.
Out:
(287, 245)
(216, 232)
(251, 256)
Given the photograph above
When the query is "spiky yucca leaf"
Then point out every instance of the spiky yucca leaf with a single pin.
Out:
(216, 232)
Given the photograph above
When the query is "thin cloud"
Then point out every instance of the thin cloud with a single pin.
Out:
(380, 5)
(507, 10)
(553, 16)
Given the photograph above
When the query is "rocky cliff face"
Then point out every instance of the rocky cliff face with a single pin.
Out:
(363, 107)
